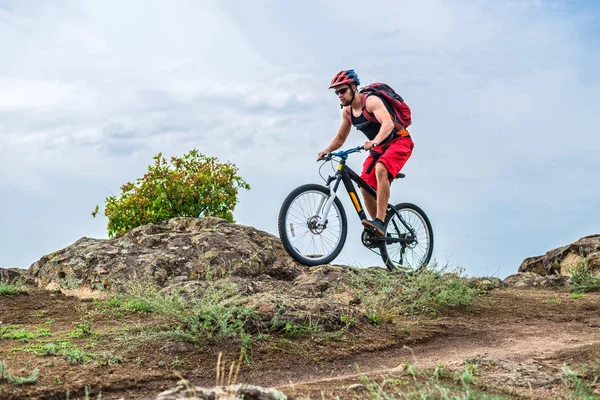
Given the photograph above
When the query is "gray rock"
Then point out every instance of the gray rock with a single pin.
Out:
(585, 251)
(10, 275)
(357, 387)
(172, 252)
(485, 283)
(525, 280)
(246, 392)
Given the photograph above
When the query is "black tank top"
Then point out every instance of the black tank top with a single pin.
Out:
(369, 128)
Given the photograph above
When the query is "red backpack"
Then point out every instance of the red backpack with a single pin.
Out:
(399, 110)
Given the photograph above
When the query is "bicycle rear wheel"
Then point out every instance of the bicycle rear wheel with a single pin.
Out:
(306, 238)
(407, 222)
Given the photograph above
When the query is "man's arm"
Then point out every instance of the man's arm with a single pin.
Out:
(340, 138)
(375, 106)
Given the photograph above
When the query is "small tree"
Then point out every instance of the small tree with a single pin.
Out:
(191, 186)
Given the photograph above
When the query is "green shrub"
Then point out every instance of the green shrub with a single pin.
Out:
(191, 186)
(583, 279)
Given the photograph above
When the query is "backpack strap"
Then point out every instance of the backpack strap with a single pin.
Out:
(368, 115)
(363, 104)
(398, 124)
(348, 114)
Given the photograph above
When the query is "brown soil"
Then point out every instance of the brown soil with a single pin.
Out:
(519, 338)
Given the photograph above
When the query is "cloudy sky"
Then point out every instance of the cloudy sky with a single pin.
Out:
(504, 97)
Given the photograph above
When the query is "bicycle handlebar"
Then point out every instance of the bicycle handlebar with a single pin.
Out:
(344, 153)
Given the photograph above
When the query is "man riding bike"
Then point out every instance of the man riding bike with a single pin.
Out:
(389, 144)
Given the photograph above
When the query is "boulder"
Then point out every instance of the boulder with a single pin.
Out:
(585, 251)
(526, 280)
(171, 252)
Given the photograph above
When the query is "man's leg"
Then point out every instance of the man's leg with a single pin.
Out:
(378, 208)
(370, 177)
(383, 190)
(370, 203)
(388, 164)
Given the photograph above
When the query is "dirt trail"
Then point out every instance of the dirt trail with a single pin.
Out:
(520, 339)
(513, 331)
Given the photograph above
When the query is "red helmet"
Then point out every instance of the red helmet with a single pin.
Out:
(347, 77)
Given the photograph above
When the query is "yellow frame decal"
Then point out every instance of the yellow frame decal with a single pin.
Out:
(355, 201)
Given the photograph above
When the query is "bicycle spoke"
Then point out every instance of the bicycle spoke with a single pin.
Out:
(408, 224)
(307, 233)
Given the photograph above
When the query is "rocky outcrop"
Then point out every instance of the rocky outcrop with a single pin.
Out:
(585, 251)
(171, 252)
(189, 254)
(10, 275)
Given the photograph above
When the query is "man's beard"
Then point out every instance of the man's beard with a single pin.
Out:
(346, 102)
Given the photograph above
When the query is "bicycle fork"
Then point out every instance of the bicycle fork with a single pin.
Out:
(325, 204)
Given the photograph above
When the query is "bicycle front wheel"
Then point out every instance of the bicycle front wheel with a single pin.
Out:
(306, 236)
(409, 223)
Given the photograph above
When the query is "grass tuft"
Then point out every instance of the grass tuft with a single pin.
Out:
(6, 376)
(9, 289)
(440, 383)
(576, 385)
(583, 279)
(384, 295)
(215, 310)
(71, 353)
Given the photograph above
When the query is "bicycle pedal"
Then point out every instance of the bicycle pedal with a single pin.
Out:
(370, 229)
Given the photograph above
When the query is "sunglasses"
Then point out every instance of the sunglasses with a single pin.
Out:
(341, 91)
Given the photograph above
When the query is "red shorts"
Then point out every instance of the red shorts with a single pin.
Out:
(393, 158)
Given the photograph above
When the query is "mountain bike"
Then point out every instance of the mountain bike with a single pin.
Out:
(313, 226)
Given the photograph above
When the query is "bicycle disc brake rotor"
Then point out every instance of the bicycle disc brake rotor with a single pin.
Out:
(313, 225)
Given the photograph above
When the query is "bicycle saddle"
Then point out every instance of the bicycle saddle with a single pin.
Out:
(400, 175)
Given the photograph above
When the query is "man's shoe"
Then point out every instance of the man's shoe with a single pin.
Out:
(376, 225)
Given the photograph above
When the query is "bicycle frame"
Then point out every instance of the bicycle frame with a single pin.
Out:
(346, 175)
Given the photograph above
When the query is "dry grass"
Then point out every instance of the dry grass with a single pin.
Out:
(85, 293)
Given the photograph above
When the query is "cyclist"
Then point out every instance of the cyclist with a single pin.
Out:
(389, 148)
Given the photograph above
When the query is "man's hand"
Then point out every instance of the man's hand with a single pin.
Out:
(369, 144)
(321, 155)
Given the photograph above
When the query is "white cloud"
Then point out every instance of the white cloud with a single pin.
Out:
(19, 94)
(501, 92)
